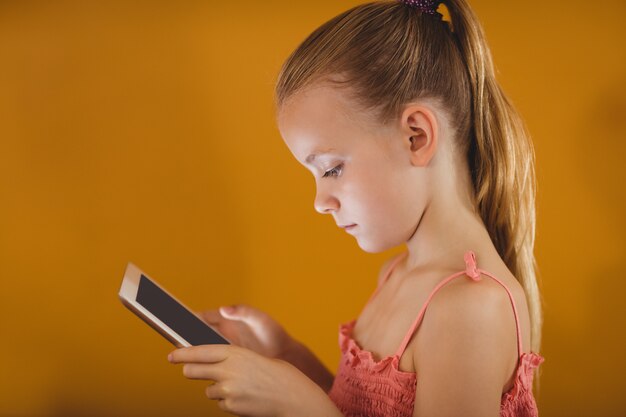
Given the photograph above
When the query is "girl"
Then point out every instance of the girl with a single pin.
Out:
(398, 115)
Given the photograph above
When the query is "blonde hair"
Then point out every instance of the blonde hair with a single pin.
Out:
(389, 54)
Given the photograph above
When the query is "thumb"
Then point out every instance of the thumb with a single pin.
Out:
(234, 312)
(211, 316)
(242, 312)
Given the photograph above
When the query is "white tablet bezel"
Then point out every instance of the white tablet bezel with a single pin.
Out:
(128, 296)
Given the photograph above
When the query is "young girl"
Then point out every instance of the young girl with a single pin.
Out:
(398, 115)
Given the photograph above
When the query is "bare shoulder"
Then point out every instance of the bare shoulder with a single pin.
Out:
(480, 299)
(477, 315)
(466, 345)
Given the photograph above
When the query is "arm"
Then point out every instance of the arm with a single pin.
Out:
(302, 358)
(247, 383)
(254, 329)
(463, 356)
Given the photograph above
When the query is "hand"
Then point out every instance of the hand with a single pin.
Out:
(249, 384)
(251, 328)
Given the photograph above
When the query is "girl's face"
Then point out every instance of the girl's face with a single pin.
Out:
(362, 170)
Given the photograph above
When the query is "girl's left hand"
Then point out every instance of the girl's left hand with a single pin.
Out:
(249, 384)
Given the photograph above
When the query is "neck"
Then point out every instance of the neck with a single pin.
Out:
(448, 228)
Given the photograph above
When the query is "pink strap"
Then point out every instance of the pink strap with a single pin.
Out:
(473, 272)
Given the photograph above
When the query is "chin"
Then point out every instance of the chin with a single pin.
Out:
(374, 247)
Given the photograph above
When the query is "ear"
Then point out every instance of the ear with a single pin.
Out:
(420, 133)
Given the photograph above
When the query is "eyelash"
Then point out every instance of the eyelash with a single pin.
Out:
(335, 169)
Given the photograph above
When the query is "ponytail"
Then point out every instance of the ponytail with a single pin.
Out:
(501, 160)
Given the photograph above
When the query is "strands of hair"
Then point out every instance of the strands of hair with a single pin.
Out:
(386, 54)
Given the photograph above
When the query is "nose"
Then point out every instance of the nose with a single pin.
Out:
(325, 202)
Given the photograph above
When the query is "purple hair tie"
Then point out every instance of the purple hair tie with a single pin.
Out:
(424, 6)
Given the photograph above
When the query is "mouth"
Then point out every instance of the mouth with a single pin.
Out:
(348, 226)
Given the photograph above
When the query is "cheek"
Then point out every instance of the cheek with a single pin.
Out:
(378, 193)
(395, 199)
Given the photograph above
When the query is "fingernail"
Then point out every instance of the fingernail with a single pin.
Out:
(228, 309)
(169, 357)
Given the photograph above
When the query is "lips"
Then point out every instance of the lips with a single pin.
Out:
(348, 226)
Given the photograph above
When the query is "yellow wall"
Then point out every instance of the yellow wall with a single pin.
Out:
(144, 132)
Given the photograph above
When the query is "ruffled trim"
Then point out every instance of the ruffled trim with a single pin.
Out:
(363, 360)
(528, 362)
(518, 401)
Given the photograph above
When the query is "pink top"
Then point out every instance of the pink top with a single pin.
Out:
(366, 387)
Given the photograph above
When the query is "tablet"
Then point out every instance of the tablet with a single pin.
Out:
(164, 313)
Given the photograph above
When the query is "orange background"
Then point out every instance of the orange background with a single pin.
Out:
(144, 131)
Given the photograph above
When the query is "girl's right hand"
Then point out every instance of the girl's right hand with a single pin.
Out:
(254, 329)
(251, 328)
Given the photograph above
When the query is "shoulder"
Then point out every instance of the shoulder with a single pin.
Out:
(464, 300)
(465, 348)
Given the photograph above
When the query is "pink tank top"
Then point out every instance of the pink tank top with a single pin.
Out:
(364, 386)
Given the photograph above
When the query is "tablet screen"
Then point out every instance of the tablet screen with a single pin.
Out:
(175, 316)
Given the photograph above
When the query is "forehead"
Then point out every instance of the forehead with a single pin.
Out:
(320, 119)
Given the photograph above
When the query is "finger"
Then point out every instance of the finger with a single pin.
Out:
(211, 316)
(233, 312)
(201, 354)
(211, 372)
(226, 405)
(243, 312)
(217, 391)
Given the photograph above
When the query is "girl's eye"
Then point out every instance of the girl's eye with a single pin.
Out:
(334, 172)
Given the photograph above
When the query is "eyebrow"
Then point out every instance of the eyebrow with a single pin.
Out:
(309, 159)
